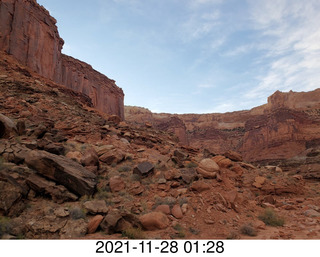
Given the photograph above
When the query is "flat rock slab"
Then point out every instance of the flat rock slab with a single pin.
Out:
(62, 170)
(143, 168)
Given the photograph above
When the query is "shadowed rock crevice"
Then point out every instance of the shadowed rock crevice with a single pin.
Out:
(2, 129)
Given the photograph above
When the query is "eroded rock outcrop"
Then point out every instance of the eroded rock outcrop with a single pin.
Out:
(30, 34)
(283, 128)
(63, 170)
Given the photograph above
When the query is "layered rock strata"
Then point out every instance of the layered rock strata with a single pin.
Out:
(283, 128)
(30, 34)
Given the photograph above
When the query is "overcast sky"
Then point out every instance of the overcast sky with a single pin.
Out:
(195, 56)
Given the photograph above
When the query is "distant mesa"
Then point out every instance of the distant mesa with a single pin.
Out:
(283, 128)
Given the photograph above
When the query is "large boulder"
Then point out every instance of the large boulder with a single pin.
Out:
(154, 221)
(58, 193)
(90, 158)
(62, 170)
(74, 229)
(116, 184)
(234, 156)
(94, 223)
(9, 195)
(7, 127)
(96, 206)
(200, 186)
(208, 168)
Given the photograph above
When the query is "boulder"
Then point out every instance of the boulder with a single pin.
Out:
(101, 150)
(109, 223)
(164, 208)
(233, 156)
(90, 158)
(143, 169)
(113, 156)
(208, 168)
(176, 211)
(76, 156)
(7, 127)
(273, 168)
(116, 184)
(63, 171)
(222, 161)
(188, 175)
(74, 229)
(96, 206)
(58, 193)
(237, 169)
(259, 181)
(182, 156)
(136, 188)
(9, 195)
(200, 186)
(154, 221)
(312, 213)
(94, 223)
(114, 119)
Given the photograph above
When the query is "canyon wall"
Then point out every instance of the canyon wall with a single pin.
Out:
(285, 127)
(30, 34)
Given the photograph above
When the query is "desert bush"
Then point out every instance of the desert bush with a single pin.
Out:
(182, 201)
(271, 218)
(135, 177)
(233, 235)
(5, 226)
(77, 213)
(133, 233)
(194, 231)
(164, 201)
(180, 231)
(248, 230)
(124, 168)
(191, 165)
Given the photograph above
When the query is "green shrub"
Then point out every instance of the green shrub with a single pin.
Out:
(180, 231)
(194, 231)
(5, 226)
(248, 230)
(182, 201)
(191, 165)
(270, 218)
(124, 168)
(77, 213)
(133, 233)
(233, 235)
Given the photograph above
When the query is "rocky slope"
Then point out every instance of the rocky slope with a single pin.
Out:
(30, 34)
(283, 128)
(67, 171)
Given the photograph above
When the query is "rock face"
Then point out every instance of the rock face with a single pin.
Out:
(30, 34)
(63, 170)
(283, 128)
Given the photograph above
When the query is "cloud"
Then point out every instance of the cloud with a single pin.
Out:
(200, 24)
(239, 50)
(221, 108)
(197, 3)
(289, 34)
(206, 85)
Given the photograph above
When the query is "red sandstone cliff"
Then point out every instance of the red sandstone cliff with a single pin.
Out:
(283, 128)
(30, 34)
